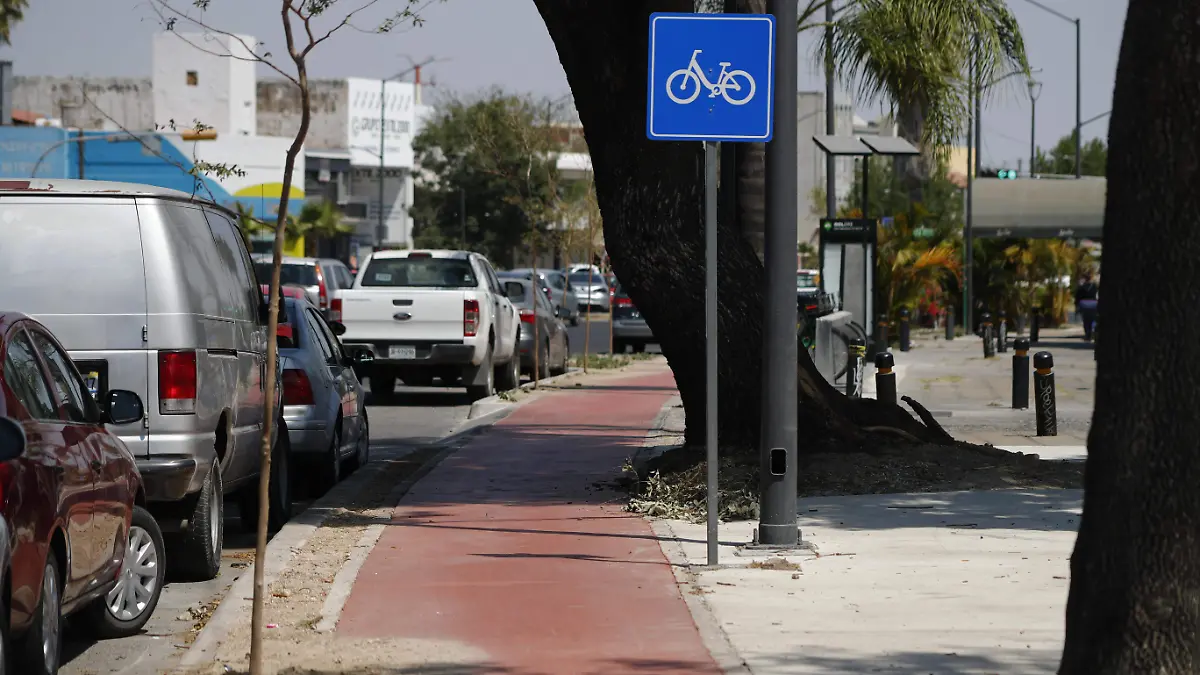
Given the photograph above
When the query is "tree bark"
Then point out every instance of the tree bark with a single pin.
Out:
(1134, 604)
(652, 195)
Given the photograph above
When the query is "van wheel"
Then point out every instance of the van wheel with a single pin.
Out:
(543, 368)
(197, 554)
(564, 365)
(383, 387)
(330, 472)
(478, 391)
(43, 642)
(279, 490)
(127, 607)
(5, 638)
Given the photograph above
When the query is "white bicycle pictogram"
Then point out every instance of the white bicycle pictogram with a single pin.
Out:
(727, 81)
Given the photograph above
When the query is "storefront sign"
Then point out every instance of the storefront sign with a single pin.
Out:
(368, 113)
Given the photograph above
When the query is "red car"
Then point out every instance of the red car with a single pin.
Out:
(74, 536)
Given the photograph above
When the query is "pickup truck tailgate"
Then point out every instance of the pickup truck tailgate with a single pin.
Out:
(403, 313)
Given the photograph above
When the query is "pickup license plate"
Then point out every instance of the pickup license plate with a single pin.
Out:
(402, 352)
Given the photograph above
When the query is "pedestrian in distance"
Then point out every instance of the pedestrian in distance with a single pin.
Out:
(1087, 299)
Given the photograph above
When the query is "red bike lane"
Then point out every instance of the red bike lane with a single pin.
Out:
(511, 546)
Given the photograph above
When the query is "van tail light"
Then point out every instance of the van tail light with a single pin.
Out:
(622, 302)
(335, 309)
(297, 390)
(470, 318)
(526, 315)
(177, 383)
(322, 289)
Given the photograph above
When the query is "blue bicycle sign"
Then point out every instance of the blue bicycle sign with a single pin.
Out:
(692, 78)
(724, 89)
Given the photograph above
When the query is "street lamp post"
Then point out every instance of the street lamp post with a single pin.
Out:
(1035, 90)
(978, 112)
(1078, 84)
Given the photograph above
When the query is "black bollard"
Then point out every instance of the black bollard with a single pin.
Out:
(985, 330)
(857, 351)
(1002, 333)
(1020, 379)
(949, 319)
(881, 335)
(885, 379)
(1035, 325)
(904, 331)
(1043, 390)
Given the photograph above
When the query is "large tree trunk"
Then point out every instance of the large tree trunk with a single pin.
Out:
(1134, 604)
(652, 196)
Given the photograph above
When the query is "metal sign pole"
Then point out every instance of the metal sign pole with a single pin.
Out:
(710, 335)
(690, 100)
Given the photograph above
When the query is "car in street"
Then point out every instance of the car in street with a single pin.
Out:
(323, 402)
(592, 290)
(560, 291)
(629, 328)
(77, 538)
(540, 326)
(319, 277)
(429, 314)
(154, 292)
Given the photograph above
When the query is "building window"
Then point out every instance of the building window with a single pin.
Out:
(193, 78)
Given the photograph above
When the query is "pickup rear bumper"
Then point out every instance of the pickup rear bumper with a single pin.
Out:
(423, 354)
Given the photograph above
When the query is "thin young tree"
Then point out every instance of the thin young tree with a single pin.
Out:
(306, 25)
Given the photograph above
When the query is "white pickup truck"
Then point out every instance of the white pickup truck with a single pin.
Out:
(431, 314)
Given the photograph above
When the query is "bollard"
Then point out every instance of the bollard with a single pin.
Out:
(949, 323)
(1002, 333)
(1020, 378)
(885, 379)
(881, 335)
(857, 350)
(904, 331)
(1035, 325)
(1043, 392)
(985, 329)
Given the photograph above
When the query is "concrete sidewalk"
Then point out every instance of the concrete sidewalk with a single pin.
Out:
(972, 396)
(516, 558)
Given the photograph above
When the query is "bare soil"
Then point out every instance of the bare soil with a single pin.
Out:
(673, 484)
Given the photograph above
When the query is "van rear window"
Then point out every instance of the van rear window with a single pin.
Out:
(419, 273)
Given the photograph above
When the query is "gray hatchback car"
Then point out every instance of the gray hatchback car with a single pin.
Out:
(323, 401)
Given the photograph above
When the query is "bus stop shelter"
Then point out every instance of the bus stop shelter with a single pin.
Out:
(1044, 207)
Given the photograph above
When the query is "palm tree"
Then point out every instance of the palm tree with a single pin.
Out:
(915, 55)
(11, 13)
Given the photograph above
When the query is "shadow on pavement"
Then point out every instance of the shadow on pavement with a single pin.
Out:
(994, 662)
(1051, 510)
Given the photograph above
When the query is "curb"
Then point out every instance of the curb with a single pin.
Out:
(494, 403)
(294, 534)
(712, 636)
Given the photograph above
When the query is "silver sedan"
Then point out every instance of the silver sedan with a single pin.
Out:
(593, 293)
(323, 401)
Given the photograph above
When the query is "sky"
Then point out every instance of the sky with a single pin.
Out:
(480, 44)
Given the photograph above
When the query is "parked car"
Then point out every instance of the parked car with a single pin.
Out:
(629, 329)
(582, 268)
(153, 292)
(559, 289)
(77, 539)
(554, 346)
(427, 314)
(319, 277)
(323, 401)
(592, 290)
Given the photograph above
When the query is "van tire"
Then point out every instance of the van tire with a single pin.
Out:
(197, 555)
(279, 490)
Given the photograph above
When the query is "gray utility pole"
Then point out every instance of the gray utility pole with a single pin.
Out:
(1078, 83)
(381, 226)
(777, 509)
(968, 239)
(830, 116)
(1035, 90)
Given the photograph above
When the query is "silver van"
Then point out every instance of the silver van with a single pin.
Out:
(152, 291)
